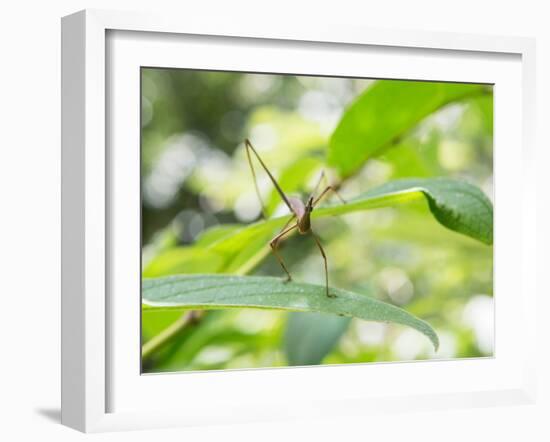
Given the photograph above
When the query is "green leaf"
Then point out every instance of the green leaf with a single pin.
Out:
(309, 337)
(228, 291)
(457, 205)
(384, 113)
(183, 260)
(246, 247)
(215, 233)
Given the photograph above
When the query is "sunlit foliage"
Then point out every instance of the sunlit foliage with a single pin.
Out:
(197, 190)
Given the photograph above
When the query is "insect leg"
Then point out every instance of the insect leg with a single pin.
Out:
(316, 238)
(288, 222)
(249, 148)
(275, 241)
(264, 214)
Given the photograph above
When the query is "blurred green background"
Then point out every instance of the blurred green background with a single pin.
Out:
(196, 184)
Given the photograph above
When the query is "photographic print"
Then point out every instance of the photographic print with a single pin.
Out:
(293, 220)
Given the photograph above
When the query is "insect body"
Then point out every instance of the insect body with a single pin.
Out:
(301, 213)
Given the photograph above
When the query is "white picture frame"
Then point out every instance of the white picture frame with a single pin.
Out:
(96, 367)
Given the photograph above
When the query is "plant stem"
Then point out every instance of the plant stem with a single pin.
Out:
(157, 342)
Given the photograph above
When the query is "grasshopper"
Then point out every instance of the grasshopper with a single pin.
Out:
(300, 212)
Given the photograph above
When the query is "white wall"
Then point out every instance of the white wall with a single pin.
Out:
(30, 220)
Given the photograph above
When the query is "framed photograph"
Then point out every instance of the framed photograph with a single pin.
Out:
(281, 223)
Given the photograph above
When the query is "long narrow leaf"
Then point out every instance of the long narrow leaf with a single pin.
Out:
(228, 291)
(457, 205)
(385, 112)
